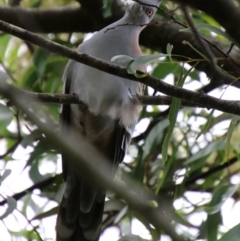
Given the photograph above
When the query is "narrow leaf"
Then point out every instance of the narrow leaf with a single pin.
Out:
(169, 51)
(122, 59)
(46, 214)
(173, 117)
(214, 146)
(12, 204)
(230, 132)
(154, 137)
(121, 214)
(39, 59)
(232, 235)
(5, 174)
(207, 125)
(203, 26)
(6, 116)
(219, 197)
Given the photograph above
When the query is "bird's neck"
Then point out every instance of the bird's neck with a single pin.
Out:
(126, 31)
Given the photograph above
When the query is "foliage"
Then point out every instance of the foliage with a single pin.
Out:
(188, 155)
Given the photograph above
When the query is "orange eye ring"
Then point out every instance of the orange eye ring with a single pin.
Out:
(149, 12)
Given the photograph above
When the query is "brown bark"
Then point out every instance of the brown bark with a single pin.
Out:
(88, 18)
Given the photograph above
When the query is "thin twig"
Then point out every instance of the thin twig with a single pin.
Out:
(210, 172)
(226, 55)
(11, 149)
(40, 185)
(205, 48)
(74, 99)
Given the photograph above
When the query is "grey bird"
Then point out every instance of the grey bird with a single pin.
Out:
(107, 121)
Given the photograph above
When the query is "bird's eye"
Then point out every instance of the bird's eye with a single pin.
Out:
(149, 12)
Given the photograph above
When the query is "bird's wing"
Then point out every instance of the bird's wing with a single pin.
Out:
(81, 209)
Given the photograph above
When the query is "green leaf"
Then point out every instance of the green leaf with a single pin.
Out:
(121, 214)
(196, 50)
(122, 59)
(4, 40)
(219, 197)
(214, 146)
(203, 26)
(34, 172)
(113, 205)
(35, 3)
(5, 174)
(232, 235)
(41, 148)
(173, 116)
(231, 128)
(46, 214)
(167, 168)
(107, 8)
(134, 64)
(172, 120)
(6, 116)
(12, 204)
(55, 65)
(169, 51)
(27, 140)
(214, 218)
(154, 137)
(165, 68)
(181, 220)
(212, 223)
(207, 125)
(39, 59)
(29, 79)
(28, 235)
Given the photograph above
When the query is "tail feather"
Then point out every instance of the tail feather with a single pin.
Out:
(74, 222)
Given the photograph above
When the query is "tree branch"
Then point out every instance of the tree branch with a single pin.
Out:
(90, 19)
(216, 73)
(59, 20)
(183, 94)
(74, 99)
(41, 185)
(219, 9)
(85, 161)
(192, 180)
(210, 172)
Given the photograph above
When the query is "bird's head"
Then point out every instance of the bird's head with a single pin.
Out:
(142, 11)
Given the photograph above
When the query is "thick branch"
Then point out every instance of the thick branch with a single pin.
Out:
(85, 161)
(87, 19)
(58, 20)
(219, 9)
(190, 96)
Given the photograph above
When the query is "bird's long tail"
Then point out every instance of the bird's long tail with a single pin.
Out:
(80, 212)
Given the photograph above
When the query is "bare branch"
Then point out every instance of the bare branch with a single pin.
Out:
(40, 185)
(183, 94)
(74, 99)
